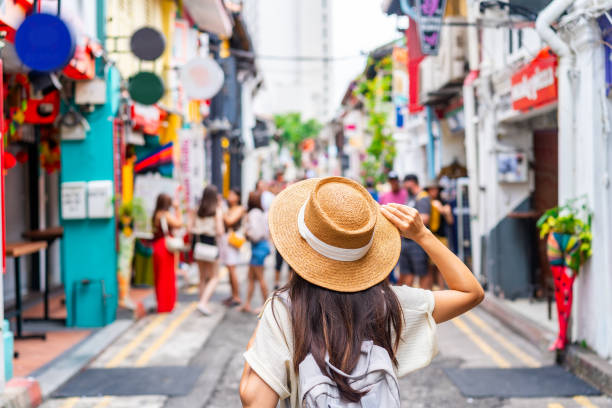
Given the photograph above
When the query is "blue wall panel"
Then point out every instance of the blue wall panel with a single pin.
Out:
(88, 246)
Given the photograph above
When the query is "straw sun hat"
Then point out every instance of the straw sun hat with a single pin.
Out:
(333, 235)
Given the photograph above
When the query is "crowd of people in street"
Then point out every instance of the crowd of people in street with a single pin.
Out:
(219, 229)
(213, 236)
(436, 215)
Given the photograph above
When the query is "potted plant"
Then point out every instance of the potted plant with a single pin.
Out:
(567, 230)
(131, 213)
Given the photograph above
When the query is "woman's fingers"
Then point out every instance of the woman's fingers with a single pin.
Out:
(391, 216)
(404, 209)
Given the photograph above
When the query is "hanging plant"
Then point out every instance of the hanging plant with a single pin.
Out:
(374, 88)
(567, 230)
(574, 220)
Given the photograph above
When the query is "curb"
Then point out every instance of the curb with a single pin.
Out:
(581, 362)
(21, 393)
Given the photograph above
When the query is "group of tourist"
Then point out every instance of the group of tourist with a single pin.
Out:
(436, 215)
(217, 230)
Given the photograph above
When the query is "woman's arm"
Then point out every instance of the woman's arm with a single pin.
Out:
(175, 220)
(234, 215)
(220, 228)
(254, 392)
(448, 214)
(464, 290)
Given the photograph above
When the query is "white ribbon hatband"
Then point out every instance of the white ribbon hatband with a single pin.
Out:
(330, 251)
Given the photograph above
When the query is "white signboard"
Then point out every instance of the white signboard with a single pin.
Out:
(100, 199)
(74, 205)
(146, 189)
(192, 164)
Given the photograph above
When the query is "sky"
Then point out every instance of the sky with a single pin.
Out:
(358, 26)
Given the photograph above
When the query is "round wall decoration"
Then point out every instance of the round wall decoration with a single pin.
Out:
(146, 88)
(147, 44)
(202, 78)
(44, 42)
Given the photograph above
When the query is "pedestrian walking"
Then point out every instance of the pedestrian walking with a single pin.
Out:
(167, 216)
(232, 243)
(440, 220)
(338, 314)
(207, 230)
(396, 195)
(371, 186)
(413, 259)
(257, 234)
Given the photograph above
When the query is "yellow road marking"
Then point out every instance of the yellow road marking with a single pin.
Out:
(104, 403)
(518, 353)
(123, 353)
(555, 405)
(148, 353)
(482, 345)
(584, 401)
(70, 402)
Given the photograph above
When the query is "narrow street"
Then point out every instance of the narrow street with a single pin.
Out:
(184, 359)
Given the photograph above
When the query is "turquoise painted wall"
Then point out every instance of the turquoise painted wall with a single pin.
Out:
(88, 246)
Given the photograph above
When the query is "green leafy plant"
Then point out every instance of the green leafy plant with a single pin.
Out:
(374, 88)
(135, 211)
(574, 219)
(293, 131)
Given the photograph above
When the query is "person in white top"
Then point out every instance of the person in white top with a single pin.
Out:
(207, 228)
(342, 245)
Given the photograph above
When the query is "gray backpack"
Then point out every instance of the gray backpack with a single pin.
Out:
(374, 373)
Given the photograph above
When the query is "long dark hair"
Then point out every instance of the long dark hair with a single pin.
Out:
(254, 201)
(326, 321)
(163, 203)
(209, 202)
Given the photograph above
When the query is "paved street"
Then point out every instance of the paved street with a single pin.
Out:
(213, 346)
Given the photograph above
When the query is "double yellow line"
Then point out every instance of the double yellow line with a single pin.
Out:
(137, 341)
(511, 348)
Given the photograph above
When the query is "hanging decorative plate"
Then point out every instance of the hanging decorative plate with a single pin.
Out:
(146, 88)
(202, 78)
(44, 42)
(148, 44)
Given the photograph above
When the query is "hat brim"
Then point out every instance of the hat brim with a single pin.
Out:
(317, 269)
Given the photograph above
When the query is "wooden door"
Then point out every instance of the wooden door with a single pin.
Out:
(546, 169)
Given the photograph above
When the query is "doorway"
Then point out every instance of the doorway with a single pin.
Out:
(546, 170)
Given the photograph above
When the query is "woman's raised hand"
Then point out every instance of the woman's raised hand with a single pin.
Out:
(407, 220)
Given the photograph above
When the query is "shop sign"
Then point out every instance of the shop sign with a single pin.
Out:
(148, 119)
(202, 78)
(536, 84)
(192, 164)
(429, 15)
(401, 84)
(44, 42)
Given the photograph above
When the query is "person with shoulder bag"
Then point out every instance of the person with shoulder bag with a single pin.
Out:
(232, 242)
(207, 229)
(257, 233)
(165, 245)
(338, 335)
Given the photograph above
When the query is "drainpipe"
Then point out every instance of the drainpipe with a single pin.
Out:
(565, 107)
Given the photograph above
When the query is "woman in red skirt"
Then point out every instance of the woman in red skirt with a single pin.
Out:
(163, 260)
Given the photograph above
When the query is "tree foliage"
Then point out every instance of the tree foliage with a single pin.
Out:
(293, 131)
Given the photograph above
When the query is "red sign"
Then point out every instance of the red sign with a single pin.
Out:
(536, 84)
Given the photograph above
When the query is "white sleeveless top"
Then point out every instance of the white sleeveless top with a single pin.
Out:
(271, 357)
(205, 226)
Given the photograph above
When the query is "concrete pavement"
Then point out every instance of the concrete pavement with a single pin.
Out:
(215, 345)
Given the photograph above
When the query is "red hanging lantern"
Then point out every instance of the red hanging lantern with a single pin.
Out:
(9, 161)
(22, 157)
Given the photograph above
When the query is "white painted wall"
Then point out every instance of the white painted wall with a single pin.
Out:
(592, 152)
